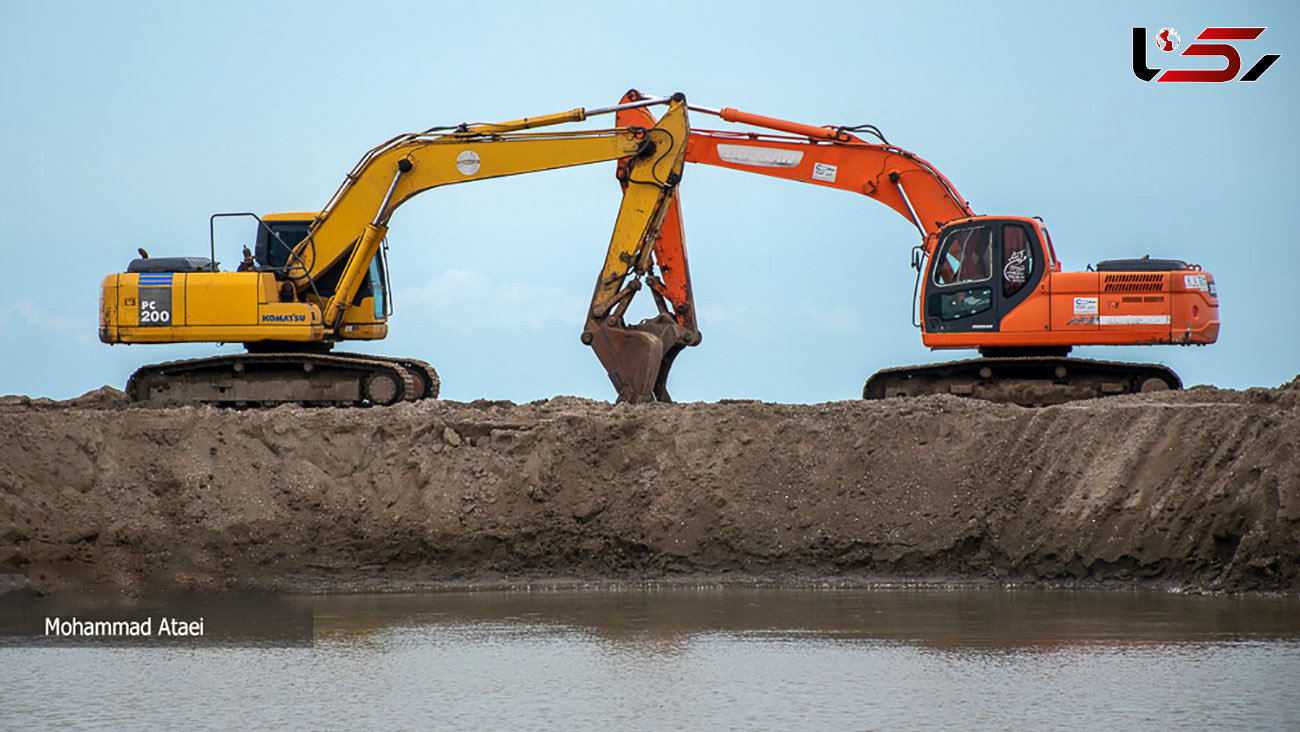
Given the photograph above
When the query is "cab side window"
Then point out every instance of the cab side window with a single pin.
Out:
(965, 256)
(1017, 259)
(276, 249)
(965, 303)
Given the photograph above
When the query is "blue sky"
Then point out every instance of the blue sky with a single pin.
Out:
(127, 124)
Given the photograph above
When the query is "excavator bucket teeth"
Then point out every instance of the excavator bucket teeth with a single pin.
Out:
(632, 358)
(661, 381)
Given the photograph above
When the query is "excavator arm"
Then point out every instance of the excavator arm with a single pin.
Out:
(638, 357)
(826, 156)
(398, 170)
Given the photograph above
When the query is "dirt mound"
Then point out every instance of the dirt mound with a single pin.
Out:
(1194, 489)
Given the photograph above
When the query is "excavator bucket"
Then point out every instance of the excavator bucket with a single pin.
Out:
(632, 359)
(639, 357)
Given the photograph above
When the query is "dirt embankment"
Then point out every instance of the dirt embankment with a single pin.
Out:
(1196, 489)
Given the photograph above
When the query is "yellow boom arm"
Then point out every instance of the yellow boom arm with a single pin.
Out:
(396, 171)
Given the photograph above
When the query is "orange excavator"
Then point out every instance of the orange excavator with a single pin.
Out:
(991, 283)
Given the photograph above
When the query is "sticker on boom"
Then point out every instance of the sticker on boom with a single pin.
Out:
(767, 157)
(468, 162)
(824, 172)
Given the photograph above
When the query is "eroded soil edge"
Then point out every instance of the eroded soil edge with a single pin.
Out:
(1197, 489)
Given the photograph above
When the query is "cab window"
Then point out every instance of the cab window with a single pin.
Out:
(378, 288)
(1017, 259)
(277, 239)
(965, 256)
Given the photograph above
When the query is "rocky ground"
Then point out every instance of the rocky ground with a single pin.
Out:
(1197, 490)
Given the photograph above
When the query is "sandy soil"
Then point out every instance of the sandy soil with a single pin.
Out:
(1197, 489)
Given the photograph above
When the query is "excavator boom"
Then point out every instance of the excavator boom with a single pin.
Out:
(890, 175)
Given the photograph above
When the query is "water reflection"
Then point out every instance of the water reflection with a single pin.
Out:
(692, 659)
(663, 620)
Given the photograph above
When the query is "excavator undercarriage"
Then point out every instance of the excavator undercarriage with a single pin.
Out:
(269, 379)
(1025, 380)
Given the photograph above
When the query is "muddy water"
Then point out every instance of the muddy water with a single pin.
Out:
(702, 659)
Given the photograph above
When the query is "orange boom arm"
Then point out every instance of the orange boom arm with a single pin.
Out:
(890, 175)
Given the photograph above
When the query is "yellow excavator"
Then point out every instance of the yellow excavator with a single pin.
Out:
(316, 279)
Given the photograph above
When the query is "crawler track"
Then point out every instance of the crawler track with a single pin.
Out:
(269, 379)
(1027, 381)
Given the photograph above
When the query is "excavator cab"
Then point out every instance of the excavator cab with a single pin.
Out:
(983, 268)
(993, 283)
(278, 237)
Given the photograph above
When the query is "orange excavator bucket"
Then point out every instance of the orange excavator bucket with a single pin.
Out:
(639, 357)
